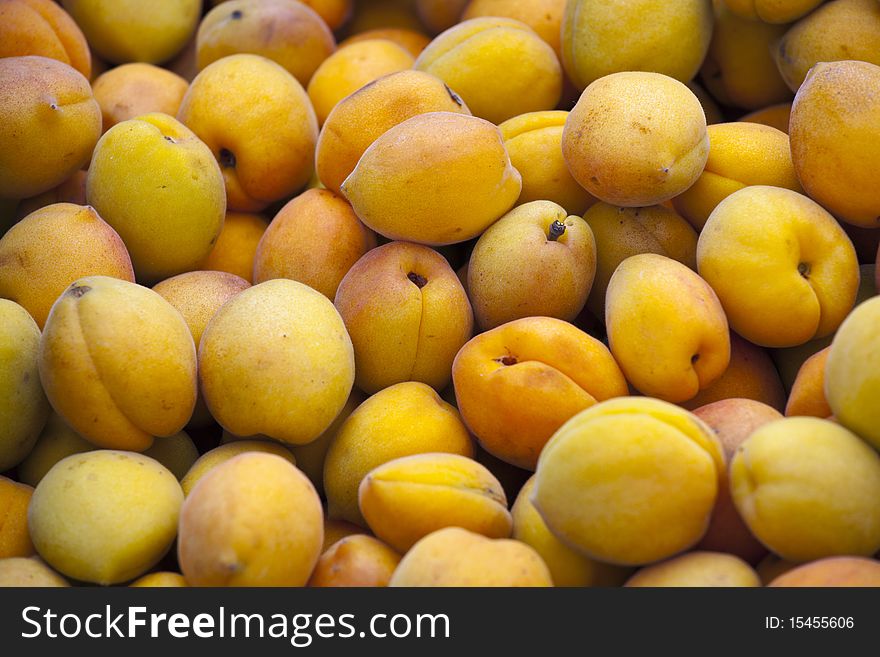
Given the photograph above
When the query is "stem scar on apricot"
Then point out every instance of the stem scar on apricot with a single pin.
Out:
(419, 280)
(507, 360)
(78, 290)
(804, 269)
(227, 159)
(557, 230)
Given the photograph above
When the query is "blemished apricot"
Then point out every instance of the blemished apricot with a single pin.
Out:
(254, 520)
(598, 472)
(437, 178)
(315, 239)
(666, 327)
(402, 420)
(600, 38)
(352, 67)
(456, 557)
(636, 139)
(290, 34)
(499, 66)
(834, 144)
(130, 90)
(49, 249)
(49, 124)
(779, 287)
(518, 383)
(806, 488)
(407, 315)
(41, 27)
(361, 118)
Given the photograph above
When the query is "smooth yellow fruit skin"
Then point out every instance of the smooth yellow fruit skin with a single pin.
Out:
(636, 139)
(408, 498)
(697, 569)
(437, 178)
(779, 287)
(132, 31)
(162, 579)
(534, 142)
(105, 516)
(834, 128)
(131, 90)
(772, 11)
(499, 66)
(276, 360)
(630, 481)
(28, 572)
(23, 405)
(852, 382)
(401, 420)
(807, 488)
(357, 560)
(49, 124)
(456, 557)
(254, 520)
(214, 457)
(516, 270)
(159, 187)
(118, 363)
(666, 328)
(15, 541)
(601, 37)
(567, 567)
(741, 154)
(177, 453)
(56, 441)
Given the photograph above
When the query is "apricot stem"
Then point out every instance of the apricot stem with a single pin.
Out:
(557, 230)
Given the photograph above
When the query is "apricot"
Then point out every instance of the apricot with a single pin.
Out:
(356, 560)
(630, 481)
(750, 374)
(105, 516)
(55, 442)
(72, 190)
(402, 420)
(514, 260)
(123, 32)
(290, 34)
(259, 124)
(600, 38)
(772, 11)
(361, 118)
(334, 12)
(383, 13)
(697, 569)
(666, 327)
(733, 421)
(533, 141)
(314, 239)
(49, 124)
(832, 571)
(636, 139)
(352, 67)
(567, 567)
(807, 395)
(741, 154)
(437, 178)
(177, 453)
(459, 492)
(23, 405)
(49, 249)
(624, 232)
(407, 315)
(807, 489)
(214, 457)
(739, 68)
(852, 381)
(499, 66)
(304, 358)
(772, 566)
(14, 538)
(335, 530)
(236, 246)
(118, 363)
(518, 383)
(28, 572)
(310, 457)
(456, 557)
(834, 139)
(254, 520)
(440, 15)
(776, 116)
(41, 27)
(128, 91)
(162, 579)
(412, 41)
(159, 187)
(544, 17)
(783, 268)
